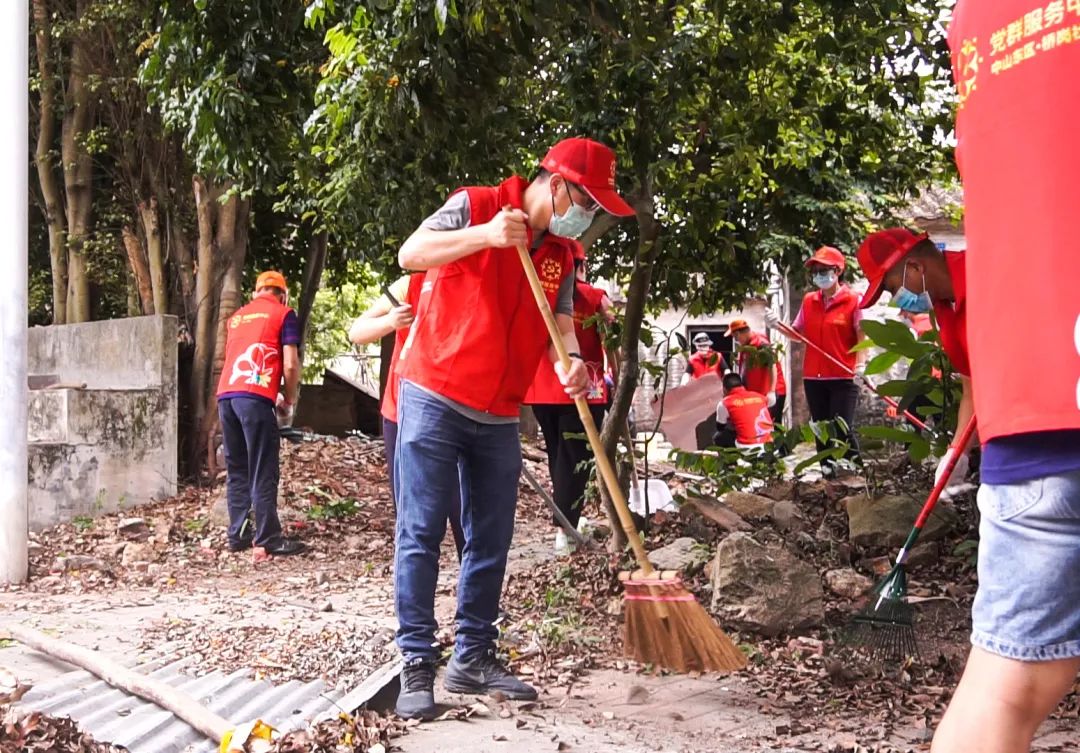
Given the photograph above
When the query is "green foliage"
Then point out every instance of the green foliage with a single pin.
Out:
(334, 310)
(82, 522)
(333, 508)
(751, 132)
(929, 376)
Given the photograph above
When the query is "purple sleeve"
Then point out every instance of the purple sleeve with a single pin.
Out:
(290, 329)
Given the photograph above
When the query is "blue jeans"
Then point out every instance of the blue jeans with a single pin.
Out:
(438, 449)
(390, 432)
(252, 441)
(1028, 603)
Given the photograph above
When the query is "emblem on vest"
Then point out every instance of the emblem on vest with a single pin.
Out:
(550, 273)
(253, 365)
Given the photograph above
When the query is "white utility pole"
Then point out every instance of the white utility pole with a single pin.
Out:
(14, 200)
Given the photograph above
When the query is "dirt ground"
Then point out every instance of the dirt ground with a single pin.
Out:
(330, 612)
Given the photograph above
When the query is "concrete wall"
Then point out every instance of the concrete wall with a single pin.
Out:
(113, 444)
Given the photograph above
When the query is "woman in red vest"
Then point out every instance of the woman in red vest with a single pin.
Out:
(556, 412)
(382, 318)
(469, 359)
(829, 317)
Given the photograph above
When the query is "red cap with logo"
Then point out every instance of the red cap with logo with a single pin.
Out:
(829, 256)
(879, 253)
(591, 165)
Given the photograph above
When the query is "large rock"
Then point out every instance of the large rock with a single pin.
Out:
(136, 553)
(748, 505)
(764, 588)
(681, 554)
(886, 521)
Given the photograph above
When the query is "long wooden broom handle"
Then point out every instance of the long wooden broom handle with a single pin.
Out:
(611, 481)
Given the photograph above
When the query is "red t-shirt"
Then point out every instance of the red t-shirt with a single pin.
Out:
(1016, 64)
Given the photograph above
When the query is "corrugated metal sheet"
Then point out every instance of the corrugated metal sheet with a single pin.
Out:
(142, 727)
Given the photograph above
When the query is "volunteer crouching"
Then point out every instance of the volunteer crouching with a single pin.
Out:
(464, 371)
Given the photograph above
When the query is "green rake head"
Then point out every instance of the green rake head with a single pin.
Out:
(885, 628)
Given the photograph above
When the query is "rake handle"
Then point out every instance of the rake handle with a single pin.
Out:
(952, 456)
(796, 335)
(607, 472)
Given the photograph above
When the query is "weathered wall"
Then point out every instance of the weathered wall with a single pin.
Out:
(113, 444)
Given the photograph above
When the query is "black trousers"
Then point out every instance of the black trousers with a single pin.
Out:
(829, 399)
(565, 454)
(777, 410)
(390, 432)
(252, 441)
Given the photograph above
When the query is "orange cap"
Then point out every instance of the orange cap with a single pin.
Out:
(829, 256)
(736, 325)
(271, 279)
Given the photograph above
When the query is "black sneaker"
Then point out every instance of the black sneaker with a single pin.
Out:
(282, 547)
(239, 546)
(485, 674)
(417, 697)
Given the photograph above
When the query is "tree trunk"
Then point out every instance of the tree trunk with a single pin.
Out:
(140, 270)
(205, 305)
(148, 214)
(78, 177)
(231, 243)
(46, 170)
(636, 296)
(184, 264)
(313, 269)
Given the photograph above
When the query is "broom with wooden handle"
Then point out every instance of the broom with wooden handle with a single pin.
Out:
(665, 626)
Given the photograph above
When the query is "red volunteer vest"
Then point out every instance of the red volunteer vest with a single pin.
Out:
(479, 336)
(389, 399)
(253, 361)
(546, 388)
(700, 364)
(833, 329)
(757, 378)
(1016, 64)
(952, 317)
(749, 414)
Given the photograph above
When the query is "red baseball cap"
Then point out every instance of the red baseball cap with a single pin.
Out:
(590, 165)
(735, 326)
(829, 256)
(880, 252)
(271, 279)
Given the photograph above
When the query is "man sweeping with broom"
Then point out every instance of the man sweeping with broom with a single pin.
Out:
(470, 358)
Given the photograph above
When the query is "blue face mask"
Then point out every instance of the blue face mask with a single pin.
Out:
(913, 303)
(824, 280)
(572, 224)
